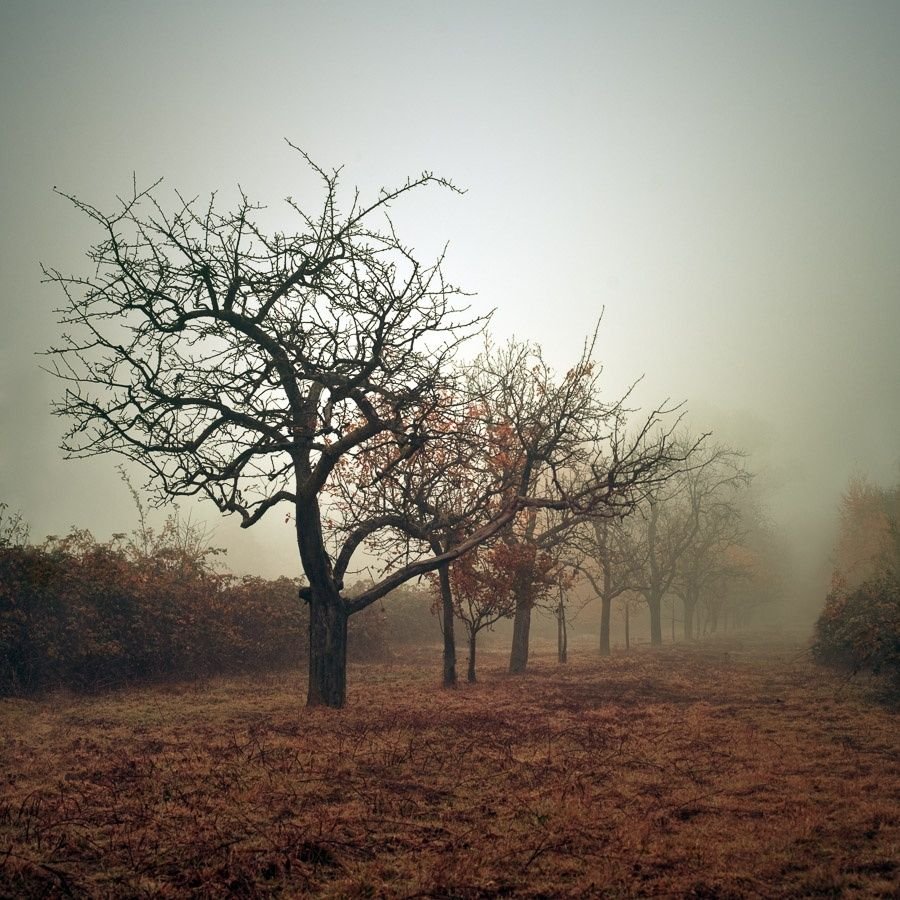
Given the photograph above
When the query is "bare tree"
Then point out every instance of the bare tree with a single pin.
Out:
(242, 366)
(605, 566)
(709, 560)
(666, 525)
(570, 444)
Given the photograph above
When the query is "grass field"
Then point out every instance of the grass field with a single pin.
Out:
(730, 769)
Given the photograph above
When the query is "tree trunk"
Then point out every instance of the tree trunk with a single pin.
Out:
(447, 624)
(470, 675)
(605, 616)
(655, 605)
(562, 637)
(327, 652)
(518, 657)
(327, 613)
(673, 620)
(627, 627)
(690, 606)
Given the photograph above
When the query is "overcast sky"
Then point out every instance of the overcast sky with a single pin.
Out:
(722, 177)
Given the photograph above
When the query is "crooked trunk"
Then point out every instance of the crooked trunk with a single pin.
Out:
(327, 651)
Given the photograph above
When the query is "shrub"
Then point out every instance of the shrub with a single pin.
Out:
(860, 629)
(86, 615)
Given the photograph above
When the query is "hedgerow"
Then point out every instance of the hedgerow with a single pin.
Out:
(86, 615)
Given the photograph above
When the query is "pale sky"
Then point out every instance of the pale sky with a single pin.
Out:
(722, 177)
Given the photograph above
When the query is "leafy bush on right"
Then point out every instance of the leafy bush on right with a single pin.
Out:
(860, 625)
(860, 628)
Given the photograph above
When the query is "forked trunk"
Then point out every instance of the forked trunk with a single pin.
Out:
(327, 652)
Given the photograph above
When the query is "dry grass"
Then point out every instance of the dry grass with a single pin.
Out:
(727, 770)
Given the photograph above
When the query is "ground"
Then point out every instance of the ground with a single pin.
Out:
(728, 769)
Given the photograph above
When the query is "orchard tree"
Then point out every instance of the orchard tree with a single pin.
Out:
(715, 556)
(605, 566)
(571, 452)
(665, 527)
(242, 365)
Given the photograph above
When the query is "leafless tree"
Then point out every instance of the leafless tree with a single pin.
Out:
(605, 566)
(573, 448)
(243, 366)
(666, 525)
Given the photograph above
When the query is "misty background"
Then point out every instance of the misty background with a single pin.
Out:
(721, 179)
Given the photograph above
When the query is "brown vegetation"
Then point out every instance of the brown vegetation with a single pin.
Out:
(729, 769)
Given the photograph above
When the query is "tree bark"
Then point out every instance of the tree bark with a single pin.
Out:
(518, 657)
(627, 628)
(327, 651)
(655, 605)
(562, 637)
(447, 625)
(690, 606)
(470, 674)
(605, 617)
(327, 613)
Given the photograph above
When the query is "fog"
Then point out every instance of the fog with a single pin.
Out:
(718, 180)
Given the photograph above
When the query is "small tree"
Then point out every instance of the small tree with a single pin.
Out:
(480, 591)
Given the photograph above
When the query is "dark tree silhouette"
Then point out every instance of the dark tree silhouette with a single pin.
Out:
(243, 366)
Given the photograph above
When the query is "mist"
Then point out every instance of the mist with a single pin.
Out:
(720, 182)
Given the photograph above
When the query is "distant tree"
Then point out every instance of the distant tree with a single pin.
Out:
(666, 527)
(715, 555)
(867, 531)
(605, 566)
(13, 528)
(568, 443)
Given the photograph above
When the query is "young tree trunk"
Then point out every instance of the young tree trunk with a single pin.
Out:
(447, 624)
(562, 637)
(627, 627)
(518, 657)
(470, 675)
(605, 616)
(690, 606)
(327, 652)
(673, 620)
